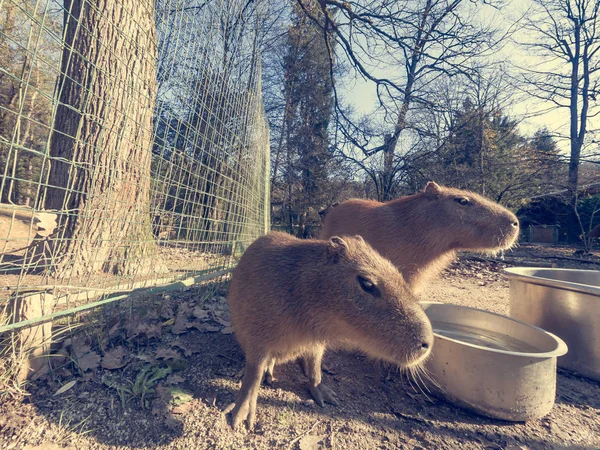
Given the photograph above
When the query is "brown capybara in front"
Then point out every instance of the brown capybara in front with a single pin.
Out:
(292, 298)
(421, 233)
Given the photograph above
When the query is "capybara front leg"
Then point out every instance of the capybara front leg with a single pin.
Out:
(318, 390)
(244, 407)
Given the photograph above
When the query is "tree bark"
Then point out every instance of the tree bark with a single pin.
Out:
(101, 144)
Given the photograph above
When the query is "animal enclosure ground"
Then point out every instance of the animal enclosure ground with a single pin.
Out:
(187, 336)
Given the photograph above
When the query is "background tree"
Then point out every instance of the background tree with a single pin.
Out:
(566, 38)
(302, 154)
(26, 84)
(201, 124)
(474, 144)
(413, 43)
(101, 139)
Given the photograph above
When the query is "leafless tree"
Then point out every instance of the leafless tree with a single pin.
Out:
(565, 35)
(414, 43)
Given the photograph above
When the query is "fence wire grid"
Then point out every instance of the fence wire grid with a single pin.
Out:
(134, 148)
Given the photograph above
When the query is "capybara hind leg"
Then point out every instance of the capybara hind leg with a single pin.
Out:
(318, 390)
(302, 364)
(269, 373)
(244, 407)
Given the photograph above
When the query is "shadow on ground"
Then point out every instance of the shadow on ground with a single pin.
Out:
(373, 412)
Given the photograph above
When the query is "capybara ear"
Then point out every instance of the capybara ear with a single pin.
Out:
(432, 190)
(336, 249)
(360, 239)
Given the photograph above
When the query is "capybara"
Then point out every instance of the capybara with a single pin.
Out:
(421, 233)
(291, 298)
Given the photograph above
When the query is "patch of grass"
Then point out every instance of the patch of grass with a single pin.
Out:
(65, 428)
(286, 415)
(143, 387)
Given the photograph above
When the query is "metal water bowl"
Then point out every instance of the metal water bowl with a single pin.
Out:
(565, 302)
(491, 364)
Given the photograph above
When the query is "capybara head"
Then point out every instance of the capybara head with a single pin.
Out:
(470, 220)
(376, 309)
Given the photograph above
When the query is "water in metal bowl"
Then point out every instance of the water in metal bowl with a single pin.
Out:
(565, 302)
(484, 338)
(494, 365)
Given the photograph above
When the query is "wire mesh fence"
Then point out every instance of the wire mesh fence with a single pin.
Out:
(134, 149)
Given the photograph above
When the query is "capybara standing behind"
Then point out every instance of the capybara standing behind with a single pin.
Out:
(292, 298)
(421, 233)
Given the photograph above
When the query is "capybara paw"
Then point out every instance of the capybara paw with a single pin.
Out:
(239, 415)
(322, 394)
(270, 379)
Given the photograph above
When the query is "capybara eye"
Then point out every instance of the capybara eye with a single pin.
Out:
(368, 286)
(462, 200)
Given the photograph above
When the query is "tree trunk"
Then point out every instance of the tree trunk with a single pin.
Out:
(576, 143)
(101, 144)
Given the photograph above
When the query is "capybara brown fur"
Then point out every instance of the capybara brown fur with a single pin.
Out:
(421, 233)
(292, 298)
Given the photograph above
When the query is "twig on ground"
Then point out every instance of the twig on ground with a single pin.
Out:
(220, 355)
(301, 435)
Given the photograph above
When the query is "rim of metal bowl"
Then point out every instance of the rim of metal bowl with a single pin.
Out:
(520, 273)
(560, 350)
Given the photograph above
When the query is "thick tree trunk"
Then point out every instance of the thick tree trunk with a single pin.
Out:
(101, 144)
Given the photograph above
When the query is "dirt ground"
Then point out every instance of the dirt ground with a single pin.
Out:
(158, 378)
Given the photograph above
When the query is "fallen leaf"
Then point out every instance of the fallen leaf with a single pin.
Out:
(181, 324)
(114, 359)
(203, 328)
(114, 329)
(138, 330)
(180, 345)
(161, 401)
(89, 376)
(151, 315)
(310, 442)
(174, 379)
(167, 312)
(184, 310)
(167, 354)
(153, 331)
(179, 396)
(89, 361)
(168, 323)
(63, 373)
(146, 358)
(133, 328)
(225, 323)
(199, 313)
(65, 388)
(80, 348)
